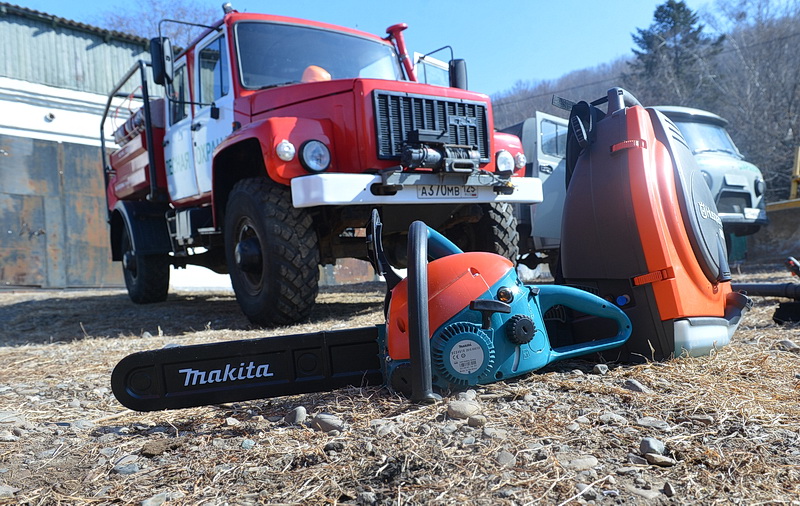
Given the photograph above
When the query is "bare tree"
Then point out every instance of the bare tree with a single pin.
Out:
(522, 101)
(758, 76)
(142, 18)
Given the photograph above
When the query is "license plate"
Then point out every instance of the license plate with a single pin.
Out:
(446, 191)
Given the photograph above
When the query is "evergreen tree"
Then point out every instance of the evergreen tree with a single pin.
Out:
(673, 65)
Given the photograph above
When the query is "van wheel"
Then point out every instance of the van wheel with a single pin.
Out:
(146, 276)
(495, 232)
(272, 253)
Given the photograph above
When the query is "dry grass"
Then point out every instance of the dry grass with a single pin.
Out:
(733, 417)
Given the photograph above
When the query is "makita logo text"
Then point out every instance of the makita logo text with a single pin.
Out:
(707, 213)
(197, 377)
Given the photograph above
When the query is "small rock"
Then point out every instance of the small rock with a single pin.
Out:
(82, 425)
(506, 459)
(296, 416)
(627, 471)
(468, 441)
(787, 345)
(461, 410)
(326, 422)
(669, 490)
(651, 445)
(653, 423)
(634, 386)
(577, 372)
(660, 460)
(600, 369)
(333, 446)
(6, 436)
(582, 463)
(7, 491)
(583, 420)
(636, 460)
(476, 421)
(610, 418)
(492, 433)
(702, 419)
(127, 469)
(572, 427)
(587, 492)
(147, 335)
(529, 398)
(450, 428)
(469, 395)
(367, 498)
(156, 447)
(8, 418)
(649, 495)
(248, 444)
(385, 429)
(156, 500)
(232, 422)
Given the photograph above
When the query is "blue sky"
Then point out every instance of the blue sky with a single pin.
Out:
(503, 41)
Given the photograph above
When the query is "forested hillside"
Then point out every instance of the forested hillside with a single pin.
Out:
(738, 59)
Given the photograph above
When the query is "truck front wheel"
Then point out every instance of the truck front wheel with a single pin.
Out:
(495, 232)
(146, 276)
(272, 253)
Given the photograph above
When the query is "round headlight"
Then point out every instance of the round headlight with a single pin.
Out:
(285, 150)
(505, 162)
(761, 187)
(520, 161)
(315, 156)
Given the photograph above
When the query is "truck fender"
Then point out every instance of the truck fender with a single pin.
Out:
(269, 133)
(146, 225)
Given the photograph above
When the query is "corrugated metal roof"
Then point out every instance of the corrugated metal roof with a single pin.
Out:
(45, 49)
(7, 8)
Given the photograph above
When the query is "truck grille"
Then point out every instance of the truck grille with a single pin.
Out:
(396, 114)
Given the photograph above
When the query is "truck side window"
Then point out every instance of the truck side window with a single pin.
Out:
(213, 64)
(554, 139)
(179, 106)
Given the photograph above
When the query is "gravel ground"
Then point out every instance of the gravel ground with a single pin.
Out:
(717, 429)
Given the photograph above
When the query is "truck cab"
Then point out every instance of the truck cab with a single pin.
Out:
(275, 140)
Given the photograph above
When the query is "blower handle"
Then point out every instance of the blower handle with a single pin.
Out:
(619, 99)
(585, 302)
(419, 342)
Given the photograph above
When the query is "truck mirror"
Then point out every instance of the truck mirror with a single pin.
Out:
(161, 59)
(458, 74)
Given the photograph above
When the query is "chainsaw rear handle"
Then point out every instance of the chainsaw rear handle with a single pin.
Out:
(585, 302)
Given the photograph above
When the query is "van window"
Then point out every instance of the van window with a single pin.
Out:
(554, 139)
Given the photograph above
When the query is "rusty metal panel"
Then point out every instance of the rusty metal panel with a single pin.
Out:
(53, 216)
(23, 257)
(88, 252)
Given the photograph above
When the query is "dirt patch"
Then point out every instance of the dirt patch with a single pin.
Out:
(729, 422)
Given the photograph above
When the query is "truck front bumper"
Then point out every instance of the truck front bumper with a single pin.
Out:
(412, 188)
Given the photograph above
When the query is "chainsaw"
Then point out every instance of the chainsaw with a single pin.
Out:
(457, 320)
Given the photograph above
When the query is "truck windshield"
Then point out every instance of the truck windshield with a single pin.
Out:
(705, 137)
(272, 54)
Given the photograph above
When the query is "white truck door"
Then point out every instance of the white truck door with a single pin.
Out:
(551, 152)
(214, 114)
(178, 153)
